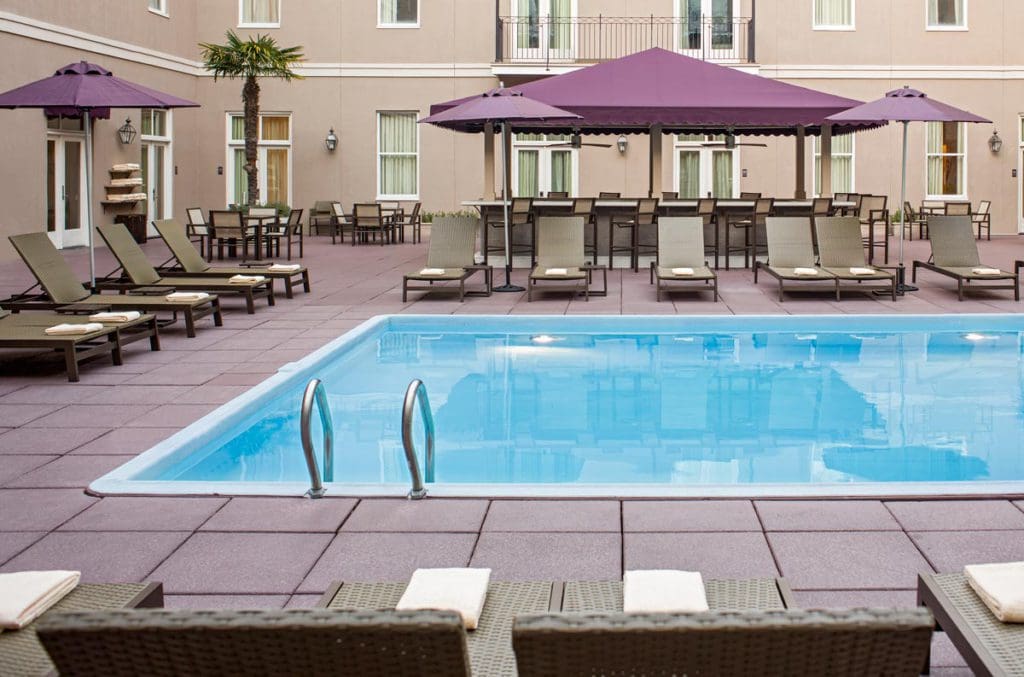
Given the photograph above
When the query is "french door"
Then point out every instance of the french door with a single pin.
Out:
(707, 29)
(65, 190)
(154, 181)
(544, 29)
(703, 171)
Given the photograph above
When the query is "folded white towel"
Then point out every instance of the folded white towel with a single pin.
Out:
(682, 271)
(187, 296)
(246, 279)
(805, 272)
(462, 590)
(986, 271)
(122, 316)
(73, 329)
(556, 271)
(284, 267)
(663, 591)
(25, 595)
(1001, 588)
(432, 271)
(862, 271)
(126, 167)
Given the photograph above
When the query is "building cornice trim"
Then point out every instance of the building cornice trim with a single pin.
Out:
(899, 72)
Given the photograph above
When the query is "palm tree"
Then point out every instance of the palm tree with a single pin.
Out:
(257, 57)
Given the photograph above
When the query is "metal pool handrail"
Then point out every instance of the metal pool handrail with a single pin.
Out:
(315, 392)
(418, 391)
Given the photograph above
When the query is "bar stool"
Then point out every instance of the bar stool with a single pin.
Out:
(752, 226)
(707, 210)
(584, 206)
(821, 207)
(645, 214)
(520, 216)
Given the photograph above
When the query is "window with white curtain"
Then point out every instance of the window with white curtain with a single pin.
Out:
(834, 14)
(842, 164)
(259, 13)
(701, 167)
(947, 14)
(273, 159)
(947, 160)
(398, 155)
(158, 6)
(398, 13)
(540, 165)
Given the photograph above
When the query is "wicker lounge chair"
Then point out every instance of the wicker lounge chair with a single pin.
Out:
(681, 245)
(140, 273)
(21, 652)
(790, 247)
(452, 247)
(191, 262)
(61, 289)
(989, 646)
(841, 249)
(560, 244)
(955, 255)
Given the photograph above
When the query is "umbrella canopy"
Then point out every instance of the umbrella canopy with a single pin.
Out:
(904, 105)
(497, 105)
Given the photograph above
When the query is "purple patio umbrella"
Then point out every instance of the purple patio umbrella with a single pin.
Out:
(90, 91)
(504, 107)
(904, 105)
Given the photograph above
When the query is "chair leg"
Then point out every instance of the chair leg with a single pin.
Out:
(71, 362)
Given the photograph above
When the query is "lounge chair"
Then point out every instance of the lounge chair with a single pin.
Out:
(841, 252)
(451, 252)
(191, 262)
(76, 348)
(61, 289)
(561, 258)
(681, 246)
(955, 255)
(140, 273)
(790, 249)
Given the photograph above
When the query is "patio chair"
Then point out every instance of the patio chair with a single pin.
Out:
(451, 256)
(197, 228)
(608, 195)
(707, 210)
(61, 289)
(558, 194)
(260, 221)
(139, 273)
(191, 264)
(957, 209)
(287, 231)
(561, 258)
(752, 226)
(520, 217)
(955, 255)
(936, 207)
(670, 195)
(750, 196)
(821, 207)
(321, 216)
(912, 217)
(681, 247)
(790, 253)
(841, 252)
(873, 213)
(983, 219)
(76, 348)
(645, 213)
(227, 227)
(584, 206)
(412, 219)
(368, 221)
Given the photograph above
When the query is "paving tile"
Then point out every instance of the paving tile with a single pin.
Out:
(51, 441)
(281, 515)
(852, 599)
(431, 515)
(102, 557)
(689, 516)
(215, 394)
(825, 516)
(15, 415)
(303, 601)
(89, 416)
(725, 555)
(515, 556)
(241, 563)
(151, 513)
(386, 557)
(172, 415)
(70, 471)
(65, 394)
(40, 510)
(12, 467)
(13, 542)
(852, 560)
(574, 516)
(207, 602)
(957, 515)
(950, 551)
(237, 380)
(174, 375)
(126, 441)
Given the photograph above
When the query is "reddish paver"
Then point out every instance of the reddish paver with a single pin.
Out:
(724, 555)
(957, 515)
(950, 551)
(53, 441)
(571, 516)
(70, 471)
(516, 556)
(376, 514)
(151, 513)
(14, 466)
(40, 510)
(689, 516)
(225, 601)
(825, 516)
(281, 515)
(125, 441)
(13, 542)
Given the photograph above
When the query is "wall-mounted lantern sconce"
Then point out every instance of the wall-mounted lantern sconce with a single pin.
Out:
(331, 141)
(622, 143)
(995, 144)
(126, 132)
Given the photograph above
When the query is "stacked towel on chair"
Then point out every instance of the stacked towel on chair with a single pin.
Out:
(122, 316)
(246, 279)
(805, 272)
(73, 329)
(981, 270)
(284, 267)
(187, 296)
(682, 271)
(663, 591)
(428, 272)
(25, 595)
(1000, 587)
(461, 590)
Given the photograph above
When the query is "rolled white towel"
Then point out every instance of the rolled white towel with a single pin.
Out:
(73, 329)
(427, 272)
(187, 296)
(663, 591)
(24, 595)
(122, 316)
(682, 271)
(805, 272)
(1000, 587)
(284, 267)
(246, 279)
(461, 590)
(862, 271)
(981, 270)
(556, 271)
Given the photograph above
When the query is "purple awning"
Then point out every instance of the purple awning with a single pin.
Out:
(659, 87)
(905, 105)
(497, 105)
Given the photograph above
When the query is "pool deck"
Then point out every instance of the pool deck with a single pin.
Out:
(56, 437)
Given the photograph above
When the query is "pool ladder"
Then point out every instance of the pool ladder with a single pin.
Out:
(417, 392)
(315, 393)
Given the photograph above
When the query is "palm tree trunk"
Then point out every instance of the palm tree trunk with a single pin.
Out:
(251, 110)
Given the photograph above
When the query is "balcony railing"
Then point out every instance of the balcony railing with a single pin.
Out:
(553, 41)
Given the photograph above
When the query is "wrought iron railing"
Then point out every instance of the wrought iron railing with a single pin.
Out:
(556, 41)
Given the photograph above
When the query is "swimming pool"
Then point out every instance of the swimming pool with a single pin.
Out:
(632, 406)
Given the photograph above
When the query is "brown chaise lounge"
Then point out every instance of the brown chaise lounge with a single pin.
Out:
(841, 251)
(192, 264)
(681, 245)
(560, 246)
(790, 248)
(452, 246)
(61, 289)
(955, 255)
(141, 274)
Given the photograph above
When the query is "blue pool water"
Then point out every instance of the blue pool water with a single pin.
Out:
(748, 405)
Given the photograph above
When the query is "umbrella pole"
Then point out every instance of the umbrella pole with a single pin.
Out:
(901, 272)
(508, 286)
(88, 197)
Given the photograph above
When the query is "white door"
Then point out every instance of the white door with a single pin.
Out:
(65, 188)
(154, 182)
(707, 29)
(544, 30)
(705, 171)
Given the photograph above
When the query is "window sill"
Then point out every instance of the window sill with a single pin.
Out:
(946, 29)
(835, 29)
(946, 198)
(164, 14)
(399, 26)
(398, 198)
(274, 25)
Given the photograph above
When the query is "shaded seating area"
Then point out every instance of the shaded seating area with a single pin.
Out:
(680, 257)
(955, 255)
(449, 260)
(791, 259)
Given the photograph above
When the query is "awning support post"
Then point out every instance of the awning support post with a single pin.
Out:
(801, 170)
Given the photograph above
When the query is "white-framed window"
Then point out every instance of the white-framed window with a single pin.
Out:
(843, 172)
(702, 165)
(946, 15)
(544, 28)
(541, 165)
(259, 13)
(398, 155)
(274, 159)
(398, 14)
(158, 7)
(157, 163)
(707, 27)
(946, 160)
(834, 15)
